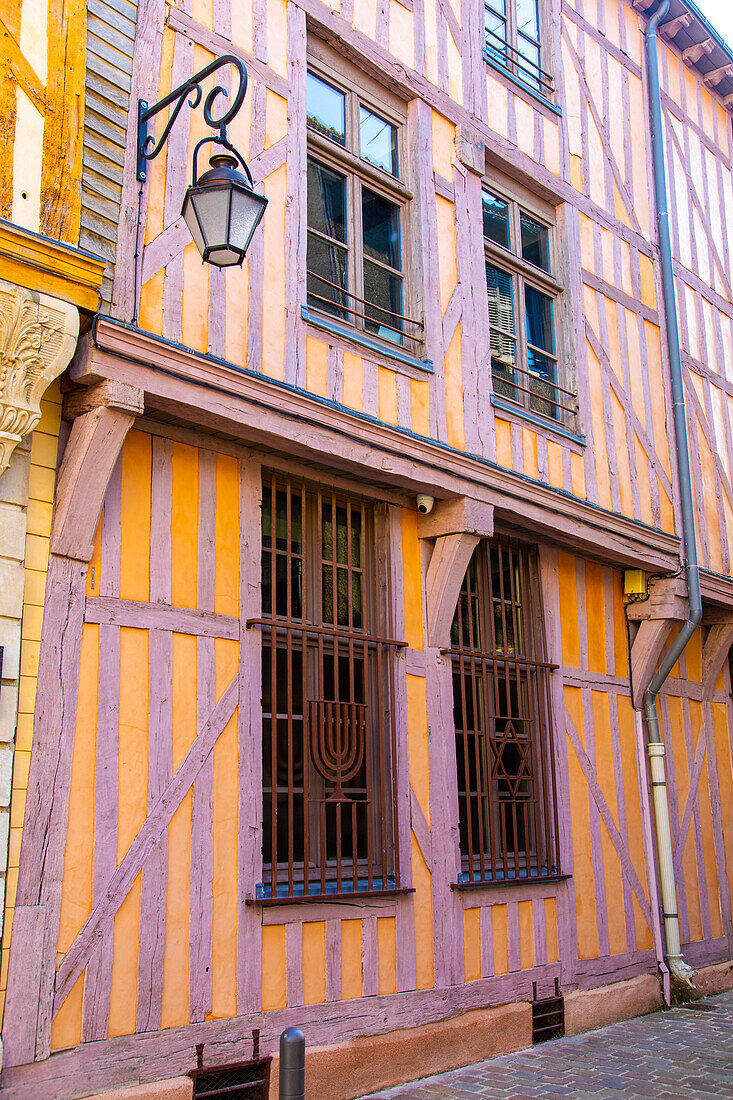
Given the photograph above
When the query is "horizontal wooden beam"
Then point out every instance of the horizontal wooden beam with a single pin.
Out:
(209, 392)
(111, 611)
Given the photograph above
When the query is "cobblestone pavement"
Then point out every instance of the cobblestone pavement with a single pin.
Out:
(680, 1053)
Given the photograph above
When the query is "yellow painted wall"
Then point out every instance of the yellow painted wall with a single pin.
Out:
(44, 447)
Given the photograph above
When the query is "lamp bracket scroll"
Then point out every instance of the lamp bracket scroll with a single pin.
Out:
(148, 149)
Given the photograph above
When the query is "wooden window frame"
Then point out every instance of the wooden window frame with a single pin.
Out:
(514, 62)
(322, 815)
(510, 261)
(358, 90)
(483, 672)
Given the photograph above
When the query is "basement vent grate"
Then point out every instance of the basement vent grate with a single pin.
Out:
(548, 1016)
(241, 1081)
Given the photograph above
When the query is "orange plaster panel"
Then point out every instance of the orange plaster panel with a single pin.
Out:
(402, 34)
(126, 936)
(551, 930)
(444, 147)
(387, 952)
(529, 451)
(273, 301)
(568, 599)
(195, 311)
(454, 392)
(417, 737)
(708, 848)
(184, 524)
(471, 944)
(184, 686)
(66, 1025)
(226, 599)
(273, 967)
(132, 766)
(177, 918)
(314, 962)
(420, 406)
(276, 118)
(350, 959)
(76, 898)
(503, 443)
(501, 938)
(387, 385)
(135, 517)
(595, 612)
(577, 475)
(554, 465)
(412, 580)
(150, 313)
(447, 262)
(316, 371)
(423, 909)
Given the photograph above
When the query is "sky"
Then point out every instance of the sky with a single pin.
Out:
(720, 14)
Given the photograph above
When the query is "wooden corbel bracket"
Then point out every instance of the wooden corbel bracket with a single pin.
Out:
(667, 604)
(103, 415)
(457, 526)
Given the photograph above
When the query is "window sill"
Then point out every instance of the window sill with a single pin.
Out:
(519, 83)
(311, 899)
(551, 427)
(419, 366)
(510, 882)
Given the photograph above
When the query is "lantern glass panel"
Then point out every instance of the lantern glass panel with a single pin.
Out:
(189, 215)
(247, 210)
(212, 207)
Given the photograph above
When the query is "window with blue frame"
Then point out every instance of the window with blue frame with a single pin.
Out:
(514, 41)
(523, 298)
(357, 201)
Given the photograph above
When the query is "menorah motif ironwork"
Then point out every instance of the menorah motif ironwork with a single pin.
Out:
(337, 735)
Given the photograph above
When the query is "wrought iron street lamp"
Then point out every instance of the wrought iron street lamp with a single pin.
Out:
(221, 208)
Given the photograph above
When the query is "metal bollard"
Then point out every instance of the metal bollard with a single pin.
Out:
(292, 1064)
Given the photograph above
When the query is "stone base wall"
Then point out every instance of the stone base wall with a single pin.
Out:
(347, 1070)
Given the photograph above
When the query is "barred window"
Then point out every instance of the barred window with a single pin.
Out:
(502, 714)
(328, 734)
(514, 40)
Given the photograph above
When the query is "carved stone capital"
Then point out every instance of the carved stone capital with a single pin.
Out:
(38, 335)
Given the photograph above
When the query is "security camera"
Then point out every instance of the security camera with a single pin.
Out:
(425, 503)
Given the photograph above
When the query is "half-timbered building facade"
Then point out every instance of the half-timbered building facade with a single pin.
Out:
(364, 554)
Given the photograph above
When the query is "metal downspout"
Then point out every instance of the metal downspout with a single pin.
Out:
(655, 748)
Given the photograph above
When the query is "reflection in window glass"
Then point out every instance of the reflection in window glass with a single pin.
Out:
(378, 141)
(327, 258)
(495, 23)
(382, 287)
(542, 368)
(326, 109)
(535, 243)
(539, 319)
(381, 225)
(496, 219)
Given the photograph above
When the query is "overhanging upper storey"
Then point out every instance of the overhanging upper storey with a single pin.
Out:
(686, 28)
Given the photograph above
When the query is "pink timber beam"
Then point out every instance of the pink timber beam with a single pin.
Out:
(104, 415)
